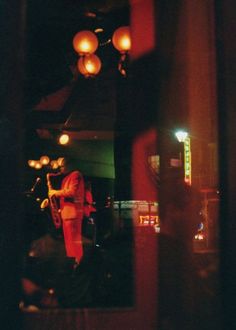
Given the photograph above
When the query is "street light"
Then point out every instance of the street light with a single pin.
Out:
(183, 137)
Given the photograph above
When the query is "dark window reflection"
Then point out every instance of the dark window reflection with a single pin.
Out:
(104, 277)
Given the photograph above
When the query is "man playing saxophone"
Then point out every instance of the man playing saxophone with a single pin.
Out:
(71, 202)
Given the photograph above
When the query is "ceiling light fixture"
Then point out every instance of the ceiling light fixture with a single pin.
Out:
(45, 162)
(64, 139)
(85, 43)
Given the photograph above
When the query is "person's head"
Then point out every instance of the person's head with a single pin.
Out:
(67, 164)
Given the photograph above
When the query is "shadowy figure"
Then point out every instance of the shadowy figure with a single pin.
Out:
(179, 219)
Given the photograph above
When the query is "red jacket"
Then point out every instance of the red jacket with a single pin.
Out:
(72, 212)
(72, 196)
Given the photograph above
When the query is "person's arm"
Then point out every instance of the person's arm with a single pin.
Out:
(71, 190)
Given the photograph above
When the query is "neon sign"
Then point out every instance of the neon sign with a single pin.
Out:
(187, 161)
(148, 219)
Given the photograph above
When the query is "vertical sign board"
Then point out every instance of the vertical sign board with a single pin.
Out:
(187, 161)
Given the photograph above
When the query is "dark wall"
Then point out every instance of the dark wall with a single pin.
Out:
(226, 65)
(11, 120)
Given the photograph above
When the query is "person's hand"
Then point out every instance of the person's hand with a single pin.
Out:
(52, 192)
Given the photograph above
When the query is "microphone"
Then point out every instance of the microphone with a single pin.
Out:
(38, 180)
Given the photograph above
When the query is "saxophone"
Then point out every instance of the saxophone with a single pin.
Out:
(52, 202)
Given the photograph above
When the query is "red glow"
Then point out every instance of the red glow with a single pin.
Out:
(143, 35)
(143, 181)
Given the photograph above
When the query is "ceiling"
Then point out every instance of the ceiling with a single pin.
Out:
(56, 97)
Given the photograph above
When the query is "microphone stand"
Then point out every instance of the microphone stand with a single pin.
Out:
(30, 192)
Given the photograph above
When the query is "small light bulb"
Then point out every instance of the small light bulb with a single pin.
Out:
(31, 162)
(44, 160)
(38, 165)
(64, 139)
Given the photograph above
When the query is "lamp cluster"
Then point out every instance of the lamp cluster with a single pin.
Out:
(45, 161)
(85, 43)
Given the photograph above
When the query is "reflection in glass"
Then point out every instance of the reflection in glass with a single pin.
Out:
(103, 278)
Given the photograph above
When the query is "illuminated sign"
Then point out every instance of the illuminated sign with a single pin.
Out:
(148, 219)
(187, 161)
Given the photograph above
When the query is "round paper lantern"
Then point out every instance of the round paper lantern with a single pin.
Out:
(85, 42)
(89, 65)
(121, 39)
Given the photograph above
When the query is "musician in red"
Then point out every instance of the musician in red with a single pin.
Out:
(71, 197)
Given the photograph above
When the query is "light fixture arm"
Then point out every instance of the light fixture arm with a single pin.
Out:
(123, 64)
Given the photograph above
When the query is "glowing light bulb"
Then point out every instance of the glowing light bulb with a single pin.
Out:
(44, 160)
(64, 139)
(31, 162)
(121, 39)
(181, 135)
(38, 165)
(85, 42)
